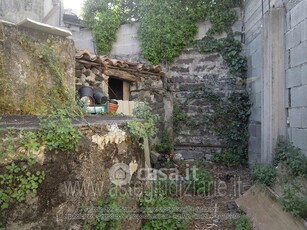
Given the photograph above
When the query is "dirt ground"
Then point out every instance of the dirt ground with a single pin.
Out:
(217, 210)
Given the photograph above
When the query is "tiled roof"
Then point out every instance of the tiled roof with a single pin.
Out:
(120, 64)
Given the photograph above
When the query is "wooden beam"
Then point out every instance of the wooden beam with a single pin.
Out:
(137, 71)
(89, 62)
(123, 75)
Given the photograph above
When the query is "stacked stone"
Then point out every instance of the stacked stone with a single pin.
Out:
(190, 71)
(88, 75)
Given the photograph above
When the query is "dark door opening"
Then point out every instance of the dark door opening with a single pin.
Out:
(116, 87)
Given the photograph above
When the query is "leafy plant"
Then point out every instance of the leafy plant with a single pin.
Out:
(17, 182)
(144, 125)
(166, 26)
(292, 158)
(263, 174)
(30, 141)
(8, 143)
(108, 216)
(166, 144)
(104, 17)
(201, 183)
(156, 202)
(58, 132)
(293, 202)
(229, 48)
(229, 121)
(244, 223)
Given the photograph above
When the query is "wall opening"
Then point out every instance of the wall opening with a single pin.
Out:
(116, 87)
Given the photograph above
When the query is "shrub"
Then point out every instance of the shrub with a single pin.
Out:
(292, 158)
(156, 202)
(109, 215)
(293, 202)
(201, 183)
(146, 128)
(58, 132)
(166, 144)
(263, 174)
(244, 223)
(17, 182)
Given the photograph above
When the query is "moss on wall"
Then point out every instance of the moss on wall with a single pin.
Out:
(37, 71)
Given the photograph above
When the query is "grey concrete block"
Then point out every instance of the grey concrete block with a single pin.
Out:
(293, 77)
(256, 114)
(294, 36)
(299, 137)
(295, 117)
(303, 113)
(257, 85)
(304, 29)
(297, 13)
(304, 73)
(299, 96)
(298, 54)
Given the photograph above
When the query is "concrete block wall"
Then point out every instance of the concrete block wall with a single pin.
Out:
(296, 73)
(295, 52)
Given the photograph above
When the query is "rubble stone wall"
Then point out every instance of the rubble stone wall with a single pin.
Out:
(34, 68)
(190, 71)
(76, 180)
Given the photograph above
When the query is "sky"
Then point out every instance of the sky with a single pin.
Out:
(75, 5)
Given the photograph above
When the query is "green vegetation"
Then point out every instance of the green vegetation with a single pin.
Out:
(263, 174)
(17, 182)
(21, 150)
(181, 119)
(48, 76)
(201, 183)
(144, 125)
(230, 49)
(292, 158)
(166, 26)
(155, 199)
(57, 131)
(109, 215)
(293, 201)
(166, 144)
(243, 223)
(229, 119)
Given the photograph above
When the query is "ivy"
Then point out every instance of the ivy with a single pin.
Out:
(58, 132)
(166, 26)
(229, 48)
(17, 182)
(229, 119)
(103, 18)
(144, 123)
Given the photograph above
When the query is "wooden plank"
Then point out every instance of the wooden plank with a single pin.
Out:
(126, 90)
(265, 212)
(123, 75)
(125, 107)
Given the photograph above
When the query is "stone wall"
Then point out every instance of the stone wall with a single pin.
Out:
(75, 181)
(294, 70)
(152, 88)
(35, 67)
(88, 75)
(190, 71)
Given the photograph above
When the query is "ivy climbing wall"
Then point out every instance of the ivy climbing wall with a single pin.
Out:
(191, 74)
(37, 71)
